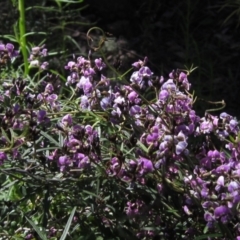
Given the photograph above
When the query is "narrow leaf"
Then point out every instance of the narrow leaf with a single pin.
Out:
(66, 229)
(41, 234)
(52, 140)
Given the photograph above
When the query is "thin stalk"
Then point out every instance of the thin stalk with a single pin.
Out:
(22, 38)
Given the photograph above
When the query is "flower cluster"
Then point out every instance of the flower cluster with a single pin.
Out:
(7, 53)
(36, 56)
(163, 128)
(138, 134)
(81, 146)
(215, 180)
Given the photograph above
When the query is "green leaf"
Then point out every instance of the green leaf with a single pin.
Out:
(205, 230)
(40, 233)
(142, 147)
(66, 229)
(9, 185)
(51, 139)
(90, 193)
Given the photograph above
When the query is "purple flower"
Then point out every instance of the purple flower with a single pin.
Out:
(207, 205)
(99, 64)
(186, 210)
(163, 96)
(145, 72)
(39, 51)
(52, 232)
(49, 88)
(181, 143)
(233, 124)
(236, 173)
(85, 104)
(70, 65)
(169, 85)
(193, 117)
(151, 138)
(220, 181)
(180, 147)
(206, 126)
(166, 143)
(135, 78)
(67, 120)
(44, 65)
(135, 111)
(183, 79)
(119, 100)
(114, 167)
(144, 166)
(106, 102)
(186, 84)
(10, 50)
(204, 192)
(2, 47)
(223, 169)
(63, 162)
(236, 198)
(116, 112)
(182, 76)
(134, 209)
(214, 155)
(73, 78)
(83, 80)
(232, 186)
(225, 116)
(82, 160)
(159, 188)
(73, 144)
(18, 124)
(138, 64)
(208, 217)
(53, 155)
(221, 213)
(52, 98)
(3, 157)
(88, 72)
(105, 81)
(42, 116)
(29, 236)
(44, 52)
(132, 96)
(16, 108)
(85, 84)
(132, 166)
(82, 62)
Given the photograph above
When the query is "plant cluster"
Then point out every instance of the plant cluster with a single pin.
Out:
(125, 157)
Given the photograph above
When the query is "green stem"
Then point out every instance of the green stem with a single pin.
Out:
(22, 39)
